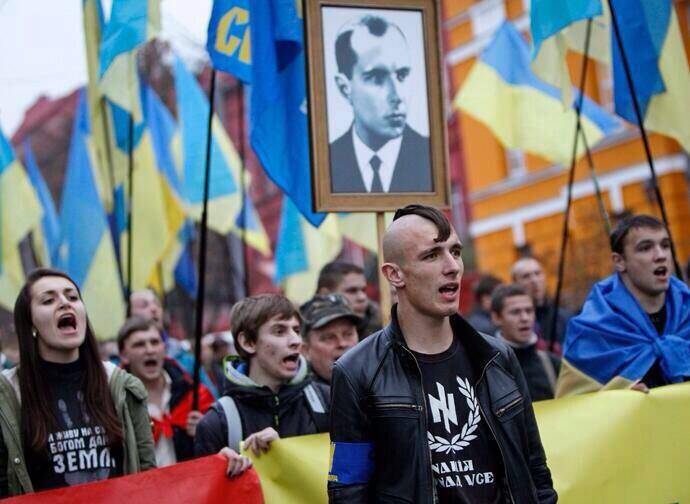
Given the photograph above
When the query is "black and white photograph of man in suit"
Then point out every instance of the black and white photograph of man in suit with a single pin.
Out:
(378, 120)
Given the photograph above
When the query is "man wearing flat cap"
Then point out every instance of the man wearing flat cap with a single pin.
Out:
(329, 329)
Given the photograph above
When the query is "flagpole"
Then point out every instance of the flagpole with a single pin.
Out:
(111, 178)
(201, 280)
(643, 134)
(553, 321)
(595, 182)
(130, 235)
(161, 279)
(243, 173)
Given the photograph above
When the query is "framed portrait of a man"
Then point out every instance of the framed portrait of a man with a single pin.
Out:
(377, 128)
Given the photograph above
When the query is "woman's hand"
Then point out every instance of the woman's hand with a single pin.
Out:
(237, 463)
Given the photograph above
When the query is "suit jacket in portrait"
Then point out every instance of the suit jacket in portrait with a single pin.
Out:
(412, 171)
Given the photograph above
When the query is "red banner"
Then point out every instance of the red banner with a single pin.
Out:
(199, 480)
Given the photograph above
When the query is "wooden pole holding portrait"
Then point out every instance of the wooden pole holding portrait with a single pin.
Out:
(385, 302)
(377, 127)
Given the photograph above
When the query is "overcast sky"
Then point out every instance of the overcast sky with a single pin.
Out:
(42, 48)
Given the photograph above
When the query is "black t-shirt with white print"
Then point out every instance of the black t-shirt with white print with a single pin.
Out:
(77, 450)
(465, 460)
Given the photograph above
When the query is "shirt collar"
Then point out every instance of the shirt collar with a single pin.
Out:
(155, 409)
(388, 154)
(533, 338)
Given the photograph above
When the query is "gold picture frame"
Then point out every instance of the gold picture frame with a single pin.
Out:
(375, 92)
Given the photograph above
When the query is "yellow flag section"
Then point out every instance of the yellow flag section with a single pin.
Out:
(131, 23)
(321, 245)
(98, 114)
(20, 213)
(223, 208)
(101, 291)
(613, 447)
(154, 216)
(667, 112)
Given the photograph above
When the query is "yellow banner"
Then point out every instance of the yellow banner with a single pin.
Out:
(616, 447)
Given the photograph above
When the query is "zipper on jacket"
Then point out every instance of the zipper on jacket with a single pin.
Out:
(415, 407)
(500, 450)
(505, 408)
(276, 419)
(426, 428)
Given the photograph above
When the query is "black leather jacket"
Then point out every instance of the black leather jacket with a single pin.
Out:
(377, 397)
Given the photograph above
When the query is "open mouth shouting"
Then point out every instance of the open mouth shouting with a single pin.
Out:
(291, 361)
(449, 291)
(67, 323)
(661, 272)
(151, 364)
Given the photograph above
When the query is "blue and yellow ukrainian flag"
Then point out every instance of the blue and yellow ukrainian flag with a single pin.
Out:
(653, 46)
(659, 67)
(612, 343)
(302, 249)
(522, 111)
(87, 253)
(227, 211)
(49, 236)
(131, 23)
(162, 129)
(156, 216)
(556, 28)
(20, 214)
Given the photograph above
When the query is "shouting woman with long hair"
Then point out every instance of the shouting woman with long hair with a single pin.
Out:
(66, 417)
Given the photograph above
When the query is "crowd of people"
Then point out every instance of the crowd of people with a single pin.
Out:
(430, 407)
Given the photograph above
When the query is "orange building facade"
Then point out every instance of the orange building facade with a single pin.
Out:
(517, 201)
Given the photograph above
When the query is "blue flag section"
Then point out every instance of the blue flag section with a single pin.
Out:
(278, 113)
(82, 215)
(163, 130)
(229, 39)
(643, 25)
(521, 110)
(193, 109)
(548, 17)
(291, 253)
(49, 223)
(125, 30)
(86, 251)
(185, 269)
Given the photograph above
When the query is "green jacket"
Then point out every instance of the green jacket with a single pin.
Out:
(129, 396)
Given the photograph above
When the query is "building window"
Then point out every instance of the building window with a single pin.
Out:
(605, 85)
(515, 163)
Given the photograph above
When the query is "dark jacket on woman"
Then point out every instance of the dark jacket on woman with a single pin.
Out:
(291, 412)
(381, 372)
(129, 397)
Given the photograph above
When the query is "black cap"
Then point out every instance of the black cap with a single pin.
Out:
(323, 309)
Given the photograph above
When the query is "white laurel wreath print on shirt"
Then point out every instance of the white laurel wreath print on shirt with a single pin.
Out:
(459, 441)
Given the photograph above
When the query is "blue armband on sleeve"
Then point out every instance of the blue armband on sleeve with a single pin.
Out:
(351, 463)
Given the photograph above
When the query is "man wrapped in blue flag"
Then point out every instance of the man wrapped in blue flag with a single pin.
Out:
(634, 327)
